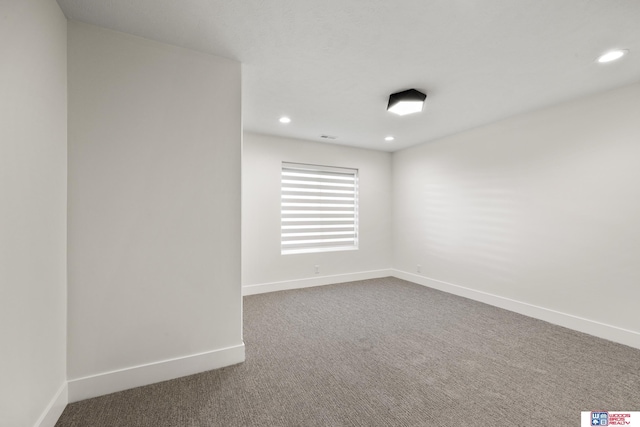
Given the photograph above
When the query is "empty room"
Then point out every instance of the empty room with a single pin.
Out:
(305, 213)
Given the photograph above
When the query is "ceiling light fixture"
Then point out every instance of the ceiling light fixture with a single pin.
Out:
(612, 55)
(389, 138)
(406, 102)
(285, 120)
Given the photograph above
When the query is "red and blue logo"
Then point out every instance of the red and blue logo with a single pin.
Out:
(599, 418)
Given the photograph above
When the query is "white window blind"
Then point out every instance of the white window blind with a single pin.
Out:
(319, 208)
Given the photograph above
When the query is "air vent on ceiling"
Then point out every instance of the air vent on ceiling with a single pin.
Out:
(328, 137)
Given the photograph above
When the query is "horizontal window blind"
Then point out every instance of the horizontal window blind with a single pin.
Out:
(319, 208)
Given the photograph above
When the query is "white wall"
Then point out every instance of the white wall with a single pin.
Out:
(542, 208)
(33, 194)
(154, 212)
(262, 262)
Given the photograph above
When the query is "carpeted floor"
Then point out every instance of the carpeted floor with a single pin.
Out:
(386, 352)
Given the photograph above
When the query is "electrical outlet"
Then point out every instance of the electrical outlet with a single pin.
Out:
(419, 268)
(317, 269)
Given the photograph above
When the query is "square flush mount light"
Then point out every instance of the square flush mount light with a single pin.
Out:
(406, 102)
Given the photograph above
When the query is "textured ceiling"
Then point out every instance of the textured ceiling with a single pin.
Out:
(330, 65)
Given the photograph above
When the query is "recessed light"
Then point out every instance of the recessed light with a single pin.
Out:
(406, 102)
(285, 120)
(389, 138)
(612, 55)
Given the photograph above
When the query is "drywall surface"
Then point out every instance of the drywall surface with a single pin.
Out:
(33, 189)
(154, 202)
(261, 173)
(542, 208)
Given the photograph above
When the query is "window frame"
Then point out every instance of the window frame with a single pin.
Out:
(318, 189)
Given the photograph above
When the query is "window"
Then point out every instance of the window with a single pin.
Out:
(319, 209)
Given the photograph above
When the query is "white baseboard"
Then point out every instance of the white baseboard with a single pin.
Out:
(54, 409)
(123, 379)
(314, 281)
(591, 327)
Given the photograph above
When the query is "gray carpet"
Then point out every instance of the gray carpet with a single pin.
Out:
(386, 352)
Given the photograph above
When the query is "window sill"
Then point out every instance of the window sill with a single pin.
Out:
(316, 250)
